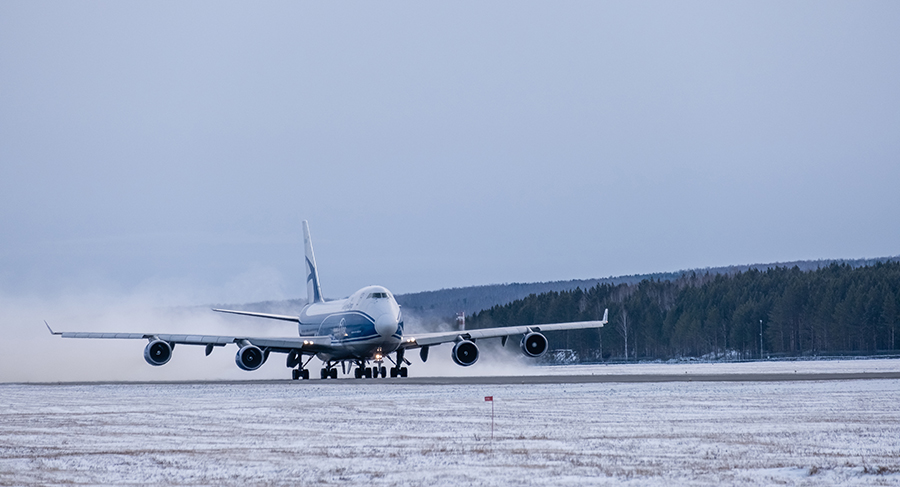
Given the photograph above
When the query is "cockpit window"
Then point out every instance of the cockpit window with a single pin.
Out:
(378, 295)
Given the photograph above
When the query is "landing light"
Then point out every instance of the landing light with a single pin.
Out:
(410, 340)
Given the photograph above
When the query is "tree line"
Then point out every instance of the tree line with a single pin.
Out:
(781, 311)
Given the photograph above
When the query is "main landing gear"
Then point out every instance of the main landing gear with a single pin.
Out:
(361, 371)
(295, 359)
(398, 370)
(328, 372)
(369, 372)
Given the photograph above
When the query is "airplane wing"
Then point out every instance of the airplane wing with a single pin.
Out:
(309, 344)
(260, 315)
(428, 339)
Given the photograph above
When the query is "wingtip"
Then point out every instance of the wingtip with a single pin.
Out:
(51, 329)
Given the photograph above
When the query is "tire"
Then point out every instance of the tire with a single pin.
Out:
(305, 374)
(403, 372)
(334, 373)
(324, 374)
(394, 372)
(295, 374)
(383, 372)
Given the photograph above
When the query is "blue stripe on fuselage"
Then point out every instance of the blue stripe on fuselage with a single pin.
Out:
(343, 326)
(353, 334)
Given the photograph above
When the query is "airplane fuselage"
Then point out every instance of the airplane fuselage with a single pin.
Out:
(367, 325)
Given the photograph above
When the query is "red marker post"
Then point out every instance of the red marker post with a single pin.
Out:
(490, 399)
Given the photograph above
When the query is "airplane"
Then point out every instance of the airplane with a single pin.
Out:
(365, 328)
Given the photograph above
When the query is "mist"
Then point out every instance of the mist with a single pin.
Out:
(32, 354)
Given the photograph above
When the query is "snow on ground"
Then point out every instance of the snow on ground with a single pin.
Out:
(509, 361)
(370, 433)
(708, 368)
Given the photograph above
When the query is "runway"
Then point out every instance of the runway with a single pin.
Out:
(639, 378)
(533, 379)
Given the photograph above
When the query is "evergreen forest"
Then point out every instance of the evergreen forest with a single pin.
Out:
(779, 312)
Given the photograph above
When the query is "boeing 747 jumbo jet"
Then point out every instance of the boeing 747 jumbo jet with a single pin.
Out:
(364, 329)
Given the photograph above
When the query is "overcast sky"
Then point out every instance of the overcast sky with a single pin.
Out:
(177, 145)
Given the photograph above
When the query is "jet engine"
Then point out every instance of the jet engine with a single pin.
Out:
(158, 352)
(534, 344)
(250, 357)
(465, 353)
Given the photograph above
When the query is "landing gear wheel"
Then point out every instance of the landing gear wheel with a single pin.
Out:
(324, 373)
(383, 371)
(305, 374)
(403, 372)
(358, 373)
(368, 372)
(334, 373)
(394, 372)
(295, 374)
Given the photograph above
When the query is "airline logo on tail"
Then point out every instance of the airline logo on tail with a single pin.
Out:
(313, 289)
(314, 295)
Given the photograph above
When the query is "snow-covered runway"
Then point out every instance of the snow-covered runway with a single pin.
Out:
(353, 433)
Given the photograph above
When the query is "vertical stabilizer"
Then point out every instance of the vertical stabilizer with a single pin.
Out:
(313, 290)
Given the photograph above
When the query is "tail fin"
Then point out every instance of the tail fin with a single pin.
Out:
(313, 290)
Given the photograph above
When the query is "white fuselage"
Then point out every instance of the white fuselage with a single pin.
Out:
(366, 325)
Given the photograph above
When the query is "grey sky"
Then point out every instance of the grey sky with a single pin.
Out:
(179, 144)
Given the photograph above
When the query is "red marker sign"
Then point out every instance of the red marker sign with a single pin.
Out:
(490, 399)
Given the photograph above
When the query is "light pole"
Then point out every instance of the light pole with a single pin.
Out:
(760, 340)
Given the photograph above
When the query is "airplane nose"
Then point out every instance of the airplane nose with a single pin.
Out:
(386, 325)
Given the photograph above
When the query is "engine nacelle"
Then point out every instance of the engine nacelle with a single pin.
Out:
(534, 344)
(250, 357)
(158, 352)
(465, 353)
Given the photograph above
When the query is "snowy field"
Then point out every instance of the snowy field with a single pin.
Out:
(370, 433)
(861, 365)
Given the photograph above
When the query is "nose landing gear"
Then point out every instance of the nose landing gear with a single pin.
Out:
(370, 372)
